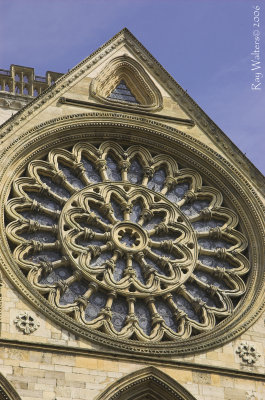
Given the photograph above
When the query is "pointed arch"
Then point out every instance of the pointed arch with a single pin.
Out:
(128, 70)
(146, 384)
(7, 392)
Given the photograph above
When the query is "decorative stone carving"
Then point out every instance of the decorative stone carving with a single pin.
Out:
(248, 353)
(146, 384)
(26, 323)
(129, 70)
(239, 195)
(251, 395)
(118, 240)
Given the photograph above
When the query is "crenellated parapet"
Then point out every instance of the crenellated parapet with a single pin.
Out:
(21, 80)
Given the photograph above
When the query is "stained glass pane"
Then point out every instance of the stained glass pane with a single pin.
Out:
(119, 313)
(96, 302)
(156, 183)
(135, 173)
(71, 177)
(119, 269)
(57, 189)
(112, 169)
(122, 92)
(166, 313)
(143, 314)
(44, 200)
(61, 273)
(39, 217)
(91, 171)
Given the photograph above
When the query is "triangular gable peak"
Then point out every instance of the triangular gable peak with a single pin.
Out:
(204, 128)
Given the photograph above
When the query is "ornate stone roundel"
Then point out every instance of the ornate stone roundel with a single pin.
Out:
(126, 243)
(116, 221)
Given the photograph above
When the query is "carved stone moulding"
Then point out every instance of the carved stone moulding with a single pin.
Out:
(146, 384)
(141, 85)
(137, 238)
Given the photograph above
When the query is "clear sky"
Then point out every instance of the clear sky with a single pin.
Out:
(205, 45)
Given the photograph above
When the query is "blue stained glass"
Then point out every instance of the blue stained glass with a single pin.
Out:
(61, 273)
(96, 302)
(71, 177)
(122, 92)
(75, 290)
(100, 259)
(40, 236)
(210, 280)
(215, 262)
(213, 244)
(195, 207)
(177, 192)
(198, 292)
(155, 220)
(136, 212)
(113, 170)
(119, 313)
(39, 217)
(154, 265)
(45, 201)
(91, 171)
(44, 255)
(156, 183)
(184, 305)
(135, 173)
(119, 269)
(143, 314)
(204, 226)
(117, 209)
(166, 313)
(57, 189)
(138, 271)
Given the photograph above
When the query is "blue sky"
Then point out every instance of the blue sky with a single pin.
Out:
(205, 45)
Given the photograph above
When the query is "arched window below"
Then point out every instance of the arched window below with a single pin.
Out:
(7, 391)
(146, 384)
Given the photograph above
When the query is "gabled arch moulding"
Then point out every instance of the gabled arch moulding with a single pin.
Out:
(138, 81)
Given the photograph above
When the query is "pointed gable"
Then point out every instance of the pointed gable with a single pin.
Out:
(94, 82)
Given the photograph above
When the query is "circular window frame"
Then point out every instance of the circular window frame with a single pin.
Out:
(67, 130)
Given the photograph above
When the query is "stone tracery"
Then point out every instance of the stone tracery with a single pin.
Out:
(126, 242)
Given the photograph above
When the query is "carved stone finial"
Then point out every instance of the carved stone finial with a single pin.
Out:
(26, 323)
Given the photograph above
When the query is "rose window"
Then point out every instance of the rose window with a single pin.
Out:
(126, 242)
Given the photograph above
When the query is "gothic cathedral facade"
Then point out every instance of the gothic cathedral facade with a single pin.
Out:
(131, 239)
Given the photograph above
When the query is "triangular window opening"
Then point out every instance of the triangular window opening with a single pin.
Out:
(122, 92)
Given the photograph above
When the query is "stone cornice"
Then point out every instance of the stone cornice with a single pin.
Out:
(143, 359)
(88, 104)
